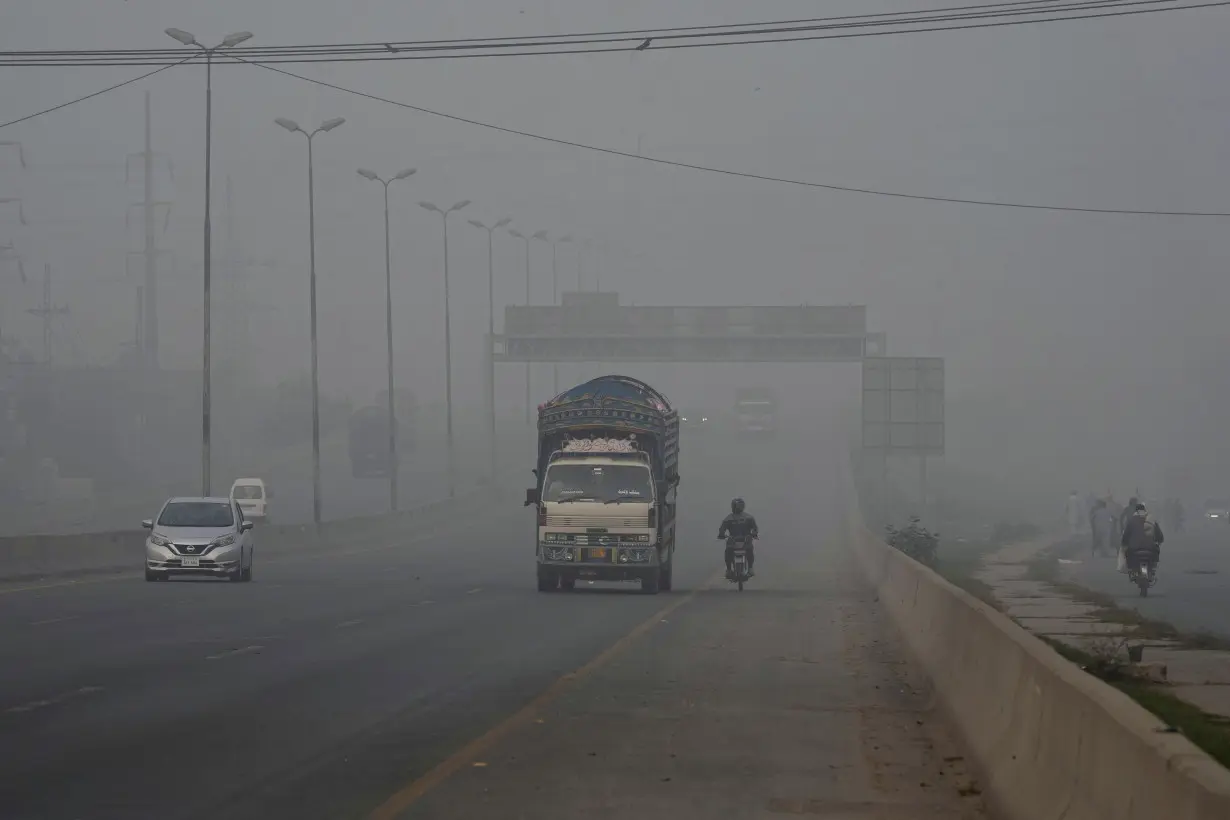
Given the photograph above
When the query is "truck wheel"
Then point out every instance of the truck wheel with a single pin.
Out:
(567, 583)
(651, 582)
(547, 580)
(667, 578)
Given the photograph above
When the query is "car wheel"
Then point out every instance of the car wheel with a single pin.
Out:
(150, 575)
(247, 573)
(237, 576)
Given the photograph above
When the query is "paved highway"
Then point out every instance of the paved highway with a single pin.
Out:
(423, 677)
(1192, 585)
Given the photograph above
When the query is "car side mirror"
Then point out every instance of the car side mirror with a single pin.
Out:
(245, 526)
(531, 496)
(147, 524)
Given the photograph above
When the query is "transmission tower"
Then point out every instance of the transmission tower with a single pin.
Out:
(150, 252)
(49, 312)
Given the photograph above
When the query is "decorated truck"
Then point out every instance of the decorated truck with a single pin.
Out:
(607, 475)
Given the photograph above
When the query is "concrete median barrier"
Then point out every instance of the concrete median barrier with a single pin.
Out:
(30, 557)
(1050, 740)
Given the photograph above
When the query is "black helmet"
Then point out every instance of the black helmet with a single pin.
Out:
(736, 505)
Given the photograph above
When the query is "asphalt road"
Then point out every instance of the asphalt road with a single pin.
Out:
(1192, 586)
(423, 676)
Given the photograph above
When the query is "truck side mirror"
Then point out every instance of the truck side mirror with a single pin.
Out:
(531, 496)
(534, 470)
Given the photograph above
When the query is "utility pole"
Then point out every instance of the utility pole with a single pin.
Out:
(48, 312)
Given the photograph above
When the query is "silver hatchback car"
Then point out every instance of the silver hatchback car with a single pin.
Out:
(199, 536)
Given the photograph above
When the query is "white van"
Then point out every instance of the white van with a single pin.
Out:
(253, 498)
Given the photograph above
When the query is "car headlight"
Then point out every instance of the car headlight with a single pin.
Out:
(159, 541)
(224, 541)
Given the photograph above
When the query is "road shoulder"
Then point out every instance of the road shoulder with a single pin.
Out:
(792, 697)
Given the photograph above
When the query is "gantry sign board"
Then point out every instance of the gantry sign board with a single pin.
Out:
(903, 405)
(601, 330)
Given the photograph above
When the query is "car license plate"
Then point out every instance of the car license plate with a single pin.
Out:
(191, 562)
(597, 553)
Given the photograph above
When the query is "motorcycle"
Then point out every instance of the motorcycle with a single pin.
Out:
(739, 569)
(1144, 573)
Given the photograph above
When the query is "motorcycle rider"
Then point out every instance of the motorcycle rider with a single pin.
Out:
(738, 524)
(1142, 536)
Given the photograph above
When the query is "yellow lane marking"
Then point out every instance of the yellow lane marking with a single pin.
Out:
(467, 756)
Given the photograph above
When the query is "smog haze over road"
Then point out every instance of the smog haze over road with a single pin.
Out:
(1043, 205)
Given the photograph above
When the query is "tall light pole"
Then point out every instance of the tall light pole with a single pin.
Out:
(491, 329)
(293, 127)
(206, 400)
(448, 344)
(394, 467)
(555, 243)
(526, 240)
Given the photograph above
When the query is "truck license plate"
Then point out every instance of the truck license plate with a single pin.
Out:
(597, 553)
(191, 562)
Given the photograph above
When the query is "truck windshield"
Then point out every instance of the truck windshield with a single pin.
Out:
(598, 482)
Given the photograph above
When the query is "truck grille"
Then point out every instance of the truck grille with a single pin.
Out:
(607, 521)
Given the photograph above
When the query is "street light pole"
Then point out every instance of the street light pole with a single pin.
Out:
(394, 466)
(555, 301)
(293, 127)
(448, 345)
(526, 240)
(491, 330)
(206, 367)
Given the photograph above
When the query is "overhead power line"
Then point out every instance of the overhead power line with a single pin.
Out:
(731, 172)
(91, 96)
(996, 15)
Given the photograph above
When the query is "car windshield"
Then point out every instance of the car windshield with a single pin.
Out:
(248, 491)
(598, 482)
(213, 514)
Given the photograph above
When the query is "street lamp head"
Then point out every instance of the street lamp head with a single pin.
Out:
(236, 38)
(459, 205)
(409, 172)
(329, 125)
(502, 223)
(183, 36)
(289, 125)
(565, 238)
(363, 172)
(541, 235)
(430, 207)
(478, 224)
(516, 233)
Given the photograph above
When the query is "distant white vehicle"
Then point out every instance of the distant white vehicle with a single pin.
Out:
(253, 496)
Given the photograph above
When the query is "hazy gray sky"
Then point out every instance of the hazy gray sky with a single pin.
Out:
(1054, 324)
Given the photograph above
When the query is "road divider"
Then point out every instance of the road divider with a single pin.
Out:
(1049, 740)
(30, 557)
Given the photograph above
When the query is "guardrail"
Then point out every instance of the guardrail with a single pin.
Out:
(1049, 740)
(28, 557)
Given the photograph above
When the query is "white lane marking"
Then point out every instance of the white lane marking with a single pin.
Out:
(39, 704)
(54, 620)
(345, 624)
(232, 652)
(423, 603)
(476, 589)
